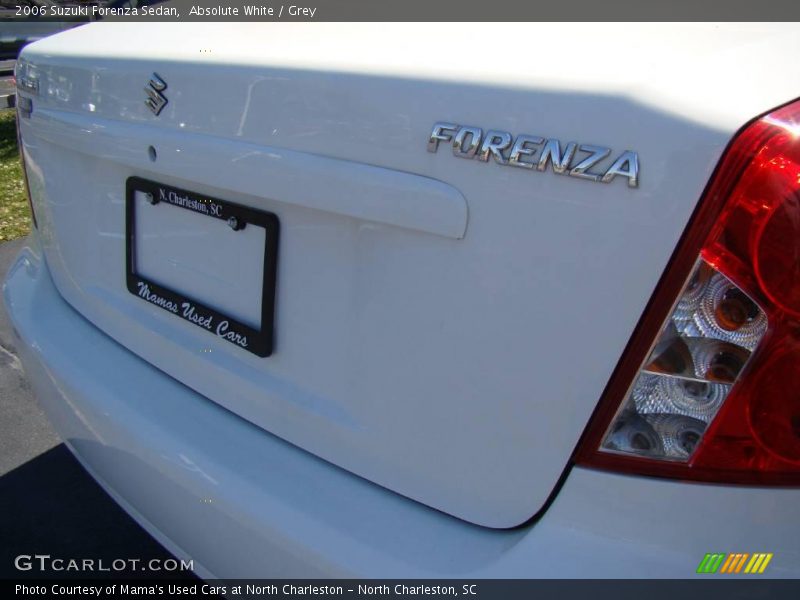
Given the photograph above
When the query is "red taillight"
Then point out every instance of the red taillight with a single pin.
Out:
(709, 386)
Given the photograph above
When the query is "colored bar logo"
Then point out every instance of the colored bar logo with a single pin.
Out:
(735, 562)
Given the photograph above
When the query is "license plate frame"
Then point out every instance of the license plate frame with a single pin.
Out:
(257, 341)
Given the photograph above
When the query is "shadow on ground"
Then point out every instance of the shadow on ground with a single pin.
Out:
(50, 505)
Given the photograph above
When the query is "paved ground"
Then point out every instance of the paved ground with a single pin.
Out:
(48, 504)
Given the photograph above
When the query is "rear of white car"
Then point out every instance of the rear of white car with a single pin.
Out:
(310, 303)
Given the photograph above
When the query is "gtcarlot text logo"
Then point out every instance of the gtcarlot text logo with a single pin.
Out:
(45, 562)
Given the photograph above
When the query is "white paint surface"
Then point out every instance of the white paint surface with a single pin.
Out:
(457, 372)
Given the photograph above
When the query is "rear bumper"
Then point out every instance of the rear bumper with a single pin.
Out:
(243, 503)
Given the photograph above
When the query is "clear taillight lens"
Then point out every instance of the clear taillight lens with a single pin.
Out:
(697, 358)
(709, 387)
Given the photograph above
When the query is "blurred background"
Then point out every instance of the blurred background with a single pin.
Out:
(20, 26)
(15, 219)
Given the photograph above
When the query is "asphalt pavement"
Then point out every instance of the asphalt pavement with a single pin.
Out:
(48, 503)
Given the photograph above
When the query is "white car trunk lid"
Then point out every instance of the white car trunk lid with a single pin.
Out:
(442, 327)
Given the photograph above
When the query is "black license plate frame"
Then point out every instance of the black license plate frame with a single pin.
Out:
(257, 341)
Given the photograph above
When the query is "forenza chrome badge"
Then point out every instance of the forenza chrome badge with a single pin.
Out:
(534, 152)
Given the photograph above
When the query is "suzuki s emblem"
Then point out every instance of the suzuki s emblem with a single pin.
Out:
(156, 101)
(532, 152)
